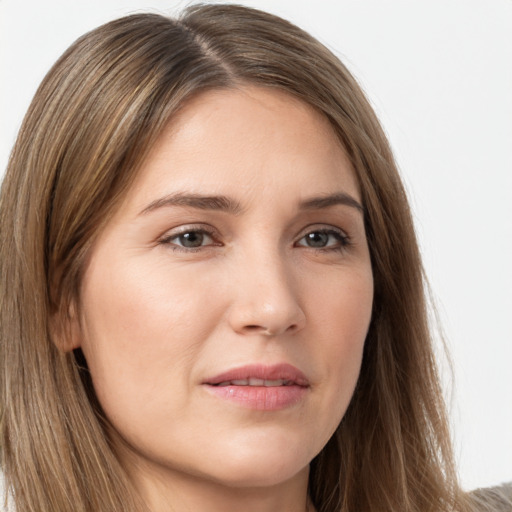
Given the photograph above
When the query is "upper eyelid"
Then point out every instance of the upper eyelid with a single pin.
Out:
(188, 228)
(321, 227)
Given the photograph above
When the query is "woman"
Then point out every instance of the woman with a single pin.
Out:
(212, 296)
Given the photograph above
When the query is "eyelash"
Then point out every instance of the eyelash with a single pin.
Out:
(168, 240)
(343, 241)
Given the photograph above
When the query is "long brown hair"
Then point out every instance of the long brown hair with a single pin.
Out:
(87, 131)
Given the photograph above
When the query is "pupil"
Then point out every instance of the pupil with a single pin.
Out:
(192, 239)
(317, 239)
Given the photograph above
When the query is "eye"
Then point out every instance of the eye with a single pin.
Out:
(324, 239)
(189, 239)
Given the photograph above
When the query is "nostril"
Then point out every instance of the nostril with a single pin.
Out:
(257, 329)
(267, 331)
(254, 328)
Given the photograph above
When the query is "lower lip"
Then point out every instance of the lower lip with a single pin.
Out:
(261, 398)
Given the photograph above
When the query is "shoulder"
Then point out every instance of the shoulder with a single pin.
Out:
(493, 499)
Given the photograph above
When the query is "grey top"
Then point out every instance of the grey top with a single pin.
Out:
(493, 499)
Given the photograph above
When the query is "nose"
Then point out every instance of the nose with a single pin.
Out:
(266, 299)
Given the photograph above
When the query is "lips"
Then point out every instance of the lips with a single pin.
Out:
(260, 375)
(256, 382)
(264, 388)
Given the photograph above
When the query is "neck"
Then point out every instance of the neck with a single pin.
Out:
(180, 492)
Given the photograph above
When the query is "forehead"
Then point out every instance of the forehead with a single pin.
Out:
(246, 139)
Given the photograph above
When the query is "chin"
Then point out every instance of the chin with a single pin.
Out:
(265, 466)
(255, 477)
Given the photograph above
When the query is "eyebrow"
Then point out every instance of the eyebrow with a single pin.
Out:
(229, 205)
(199, 201)
(320, 202)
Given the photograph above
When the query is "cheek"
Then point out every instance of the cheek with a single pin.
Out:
(142, 330)
(341, 309)
(341, 314)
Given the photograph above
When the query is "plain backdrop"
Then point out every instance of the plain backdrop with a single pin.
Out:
(439, 74)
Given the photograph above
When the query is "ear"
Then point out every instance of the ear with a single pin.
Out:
(65, 328)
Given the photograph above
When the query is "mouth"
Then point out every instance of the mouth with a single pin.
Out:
(260, 387)
(283, 374)
(252, 381)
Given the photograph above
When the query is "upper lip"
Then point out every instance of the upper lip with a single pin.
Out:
(284, 371)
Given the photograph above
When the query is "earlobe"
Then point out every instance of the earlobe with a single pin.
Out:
(65, 329)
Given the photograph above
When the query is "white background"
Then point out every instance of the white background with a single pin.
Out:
(439, 73)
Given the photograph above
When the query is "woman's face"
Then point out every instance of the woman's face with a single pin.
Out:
(225, 306)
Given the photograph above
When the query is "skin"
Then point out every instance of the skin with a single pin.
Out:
(158, 318)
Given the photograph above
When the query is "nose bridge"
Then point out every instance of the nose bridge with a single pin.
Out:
(267, 299)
